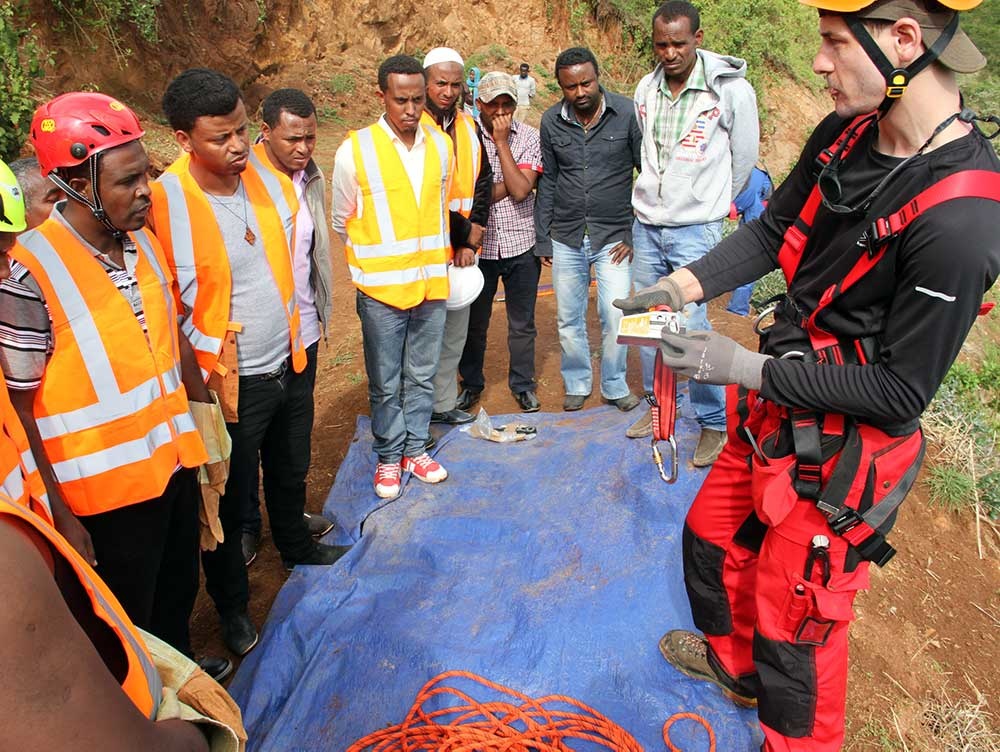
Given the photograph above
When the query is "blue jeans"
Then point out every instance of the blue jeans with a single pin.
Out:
(571, 281)
(402, 348)
(739, 301)
(658, 252)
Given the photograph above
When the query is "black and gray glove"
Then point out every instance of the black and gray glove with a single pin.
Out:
(665, 292)
(712, 358)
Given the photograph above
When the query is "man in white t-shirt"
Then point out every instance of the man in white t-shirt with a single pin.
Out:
(527, 87)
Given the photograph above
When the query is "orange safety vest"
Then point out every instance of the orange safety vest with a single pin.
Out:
(111, 409)
(20, 479)
(468, 161)
(186, 226)
(142, 682)
(397, 250)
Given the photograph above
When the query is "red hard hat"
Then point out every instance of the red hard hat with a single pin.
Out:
(67, 130)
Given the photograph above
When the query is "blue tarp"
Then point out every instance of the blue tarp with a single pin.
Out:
(550, 566)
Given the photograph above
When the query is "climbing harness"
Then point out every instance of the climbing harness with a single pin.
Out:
(835, 500)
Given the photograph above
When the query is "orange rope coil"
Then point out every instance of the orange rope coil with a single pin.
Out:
(518, 724)
(691, 717)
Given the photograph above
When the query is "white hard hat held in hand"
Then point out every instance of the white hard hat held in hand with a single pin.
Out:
(464, 285)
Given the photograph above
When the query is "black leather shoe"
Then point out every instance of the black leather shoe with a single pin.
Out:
(318, 524)
(216, 666)
(430, 444)
(574, 402)
(239, 634)
(249, 543)
(528, 401)
(321, 555)
(467, 398)
(454, 417)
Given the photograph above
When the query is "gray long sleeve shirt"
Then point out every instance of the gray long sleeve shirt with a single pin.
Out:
(587, 181)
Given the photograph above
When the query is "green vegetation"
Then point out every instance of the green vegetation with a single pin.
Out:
(773, 36)
(983, 27)
(342, 83)
(965, 425)
(105, 18)
(21, 60)
(982, 90)
(493, 57)
(328, 113)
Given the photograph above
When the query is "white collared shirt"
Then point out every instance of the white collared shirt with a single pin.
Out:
(346, 192)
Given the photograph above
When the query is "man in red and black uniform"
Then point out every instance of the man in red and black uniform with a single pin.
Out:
(885, 278)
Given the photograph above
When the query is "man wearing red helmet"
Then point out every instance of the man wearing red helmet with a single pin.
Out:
(92, 355)
(886, 233)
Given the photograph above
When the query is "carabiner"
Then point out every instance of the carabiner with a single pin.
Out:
(658, 459)
(766, 311)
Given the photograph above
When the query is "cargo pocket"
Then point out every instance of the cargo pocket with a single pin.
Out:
(787, 667)
(771, 486)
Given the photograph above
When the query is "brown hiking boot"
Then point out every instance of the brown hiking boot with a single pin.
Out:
(688, 653)
(710, 444)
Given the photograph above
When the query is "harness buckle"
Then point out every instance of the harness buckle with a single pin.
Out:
(879, 231)
(828, 509)
(658, 459)
(844, 520)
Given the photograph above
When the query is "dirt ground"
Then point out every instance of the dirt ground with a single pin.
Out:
(928, 629)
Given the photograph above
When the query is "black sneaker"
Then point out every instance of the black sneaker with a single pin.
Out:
(216, 666)
(321, 555)
(249, 542)
(467, 398)
(454, 417)
(239, 634)
(318, 524)
(528, 401)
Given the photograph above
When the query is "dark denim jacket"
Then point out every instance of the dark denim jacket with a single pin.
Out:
(587, 182)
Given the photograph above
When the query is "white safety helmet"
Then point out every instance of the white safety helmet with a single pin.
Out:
(464, 285)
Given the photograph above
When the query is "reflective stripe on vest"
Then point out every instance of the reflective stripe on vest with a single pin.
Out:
(281, 190)
(142, 682)
(111, 410)
(468, 161)
(467, 164)
(397, 249)
(19, 476)
(186, 225)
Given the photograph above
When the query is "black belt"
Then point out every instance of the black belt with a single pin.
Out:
(275, 375)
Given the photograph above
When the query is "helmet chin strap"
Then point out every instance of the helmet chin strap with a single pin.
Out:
(95, 206)
(897, 79)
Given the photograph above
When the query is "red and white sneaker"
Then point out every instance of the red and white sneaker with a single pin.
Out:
(387, 479)
(425, 468)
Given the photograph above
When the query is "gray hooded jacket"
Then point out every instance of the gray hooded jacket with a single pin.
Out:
(709, 165)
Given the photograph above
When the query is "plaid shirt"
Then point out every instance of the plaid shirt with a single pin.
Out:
(511, 227)
(671, 114)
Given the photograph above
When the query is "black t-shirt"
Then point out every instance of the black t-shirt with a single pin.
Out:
(919, 302)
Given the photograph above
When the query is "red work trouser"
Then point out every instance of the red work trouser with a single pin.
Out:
(773, 632)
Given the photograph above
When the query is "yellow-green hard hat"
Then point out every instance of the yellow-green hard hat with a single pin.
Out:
(11, 202)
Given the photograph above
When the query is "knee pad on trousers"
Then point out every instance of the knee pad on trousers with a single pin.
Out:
(787, 697)
(703, 580)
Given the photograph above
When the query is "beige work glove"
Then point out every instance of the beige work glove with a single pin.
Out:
(192, 695)
(214, 473)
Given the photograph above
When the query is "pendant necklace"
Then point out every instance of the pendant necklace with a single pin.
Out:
(249, 235)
